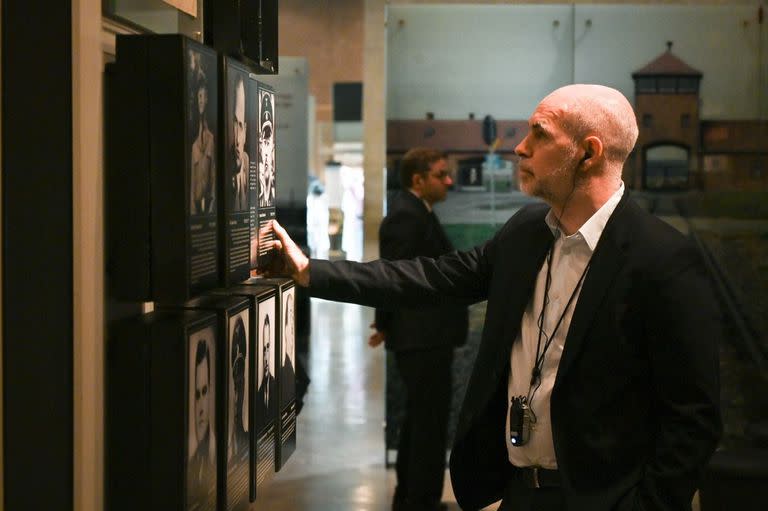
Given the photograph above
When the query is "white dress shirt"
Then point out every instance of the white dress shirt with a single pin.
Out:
(570, 257)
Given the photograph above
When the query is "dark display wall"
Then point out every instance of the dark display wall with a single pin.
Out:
(208, 376)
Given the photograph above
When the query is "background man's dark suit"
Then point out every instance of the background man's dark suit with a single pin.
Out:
(423, 340)
(635, 407)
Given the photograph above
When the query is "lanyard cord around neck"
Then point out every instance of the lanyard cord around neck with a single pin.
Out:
(539, 364)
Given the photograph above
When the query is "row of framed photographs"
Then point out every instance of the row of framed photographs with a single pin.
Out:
(201, 407)
(192, 175)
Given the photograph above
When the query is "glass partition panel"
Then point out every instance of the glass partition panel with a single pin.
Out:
(697, 76)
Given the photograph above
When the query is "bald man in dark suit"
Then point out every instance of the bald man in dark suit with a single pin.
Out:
(596, 384)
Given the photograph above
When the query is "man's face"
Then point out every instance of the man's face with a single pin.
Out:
(239, 125)
(436, 182)
(267, 142)
(202, 99)
(267, 355)
(547, 154)
(201, 399)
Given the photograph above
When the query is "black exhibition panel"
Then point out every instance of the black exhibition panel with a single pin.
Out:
(261, 464)
(162, 166)
(285, 293)
(265, 399)
(161, 401)
(232, 443)
(237, 102)
(264, 174)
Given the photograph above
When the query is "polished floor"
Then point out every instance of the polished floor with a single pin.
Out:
(339, 464)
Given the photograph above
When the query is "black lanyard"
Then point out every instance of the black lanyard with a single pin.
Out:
(539, 364)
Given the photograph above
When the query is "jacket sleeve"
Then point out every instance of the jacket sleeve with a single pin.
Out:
(457, 278)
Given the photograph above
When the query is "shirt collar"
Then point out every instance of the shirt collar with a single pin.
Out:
(426, 204)
(593, 228)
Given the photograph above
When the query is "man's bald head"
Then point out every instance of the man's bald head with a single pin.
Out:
(600, 111)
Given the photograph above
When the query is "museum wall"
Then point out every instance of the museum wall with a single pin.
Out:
(329, 33)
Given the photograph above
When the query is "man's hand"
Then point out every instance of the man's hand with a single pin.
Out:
(376, 337)
(290, 260)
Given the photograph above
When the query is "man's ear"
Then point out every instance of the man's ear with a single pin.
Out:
(417, 180)
(593, 150)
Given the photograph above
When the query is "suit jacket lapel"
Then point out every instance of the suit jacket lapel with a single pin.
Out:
(607, 259)
(519, 261)
(524, 264)
(442, 238)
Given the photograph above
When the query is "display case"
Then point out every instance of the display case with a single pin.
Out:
(262, 312)
(285, 293)
(237, 116)
(264, 177)
(232, 415)
(163, 133)
(161, 401)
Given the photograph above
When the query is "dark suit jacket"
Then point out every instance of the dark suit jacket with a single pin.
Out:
(635, 406)
(265, 415)
(410, 230)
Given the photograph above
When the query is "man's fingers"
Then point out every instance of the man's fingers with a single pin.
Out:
(376, 337)
(280, 232)
(274, 245)
(296, 263)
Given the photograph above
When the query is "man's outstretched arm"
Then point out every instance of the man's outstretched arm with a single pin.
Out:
(456, 278)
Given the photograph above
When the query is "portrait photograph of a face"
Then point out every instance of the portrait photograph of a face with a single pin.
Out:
(201, 138)
(267, 127)
(266, 355)
(236, 157)
(266, 398)
(237, 378)
(201, 420)
(288, 346)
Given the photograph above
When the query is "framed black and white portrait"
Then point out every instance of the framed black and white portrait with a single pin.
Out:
(267, 127)
(266, 397)
(201, 420)
(288, 346)
(237, 378)
(236, 156)
(202, 129)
